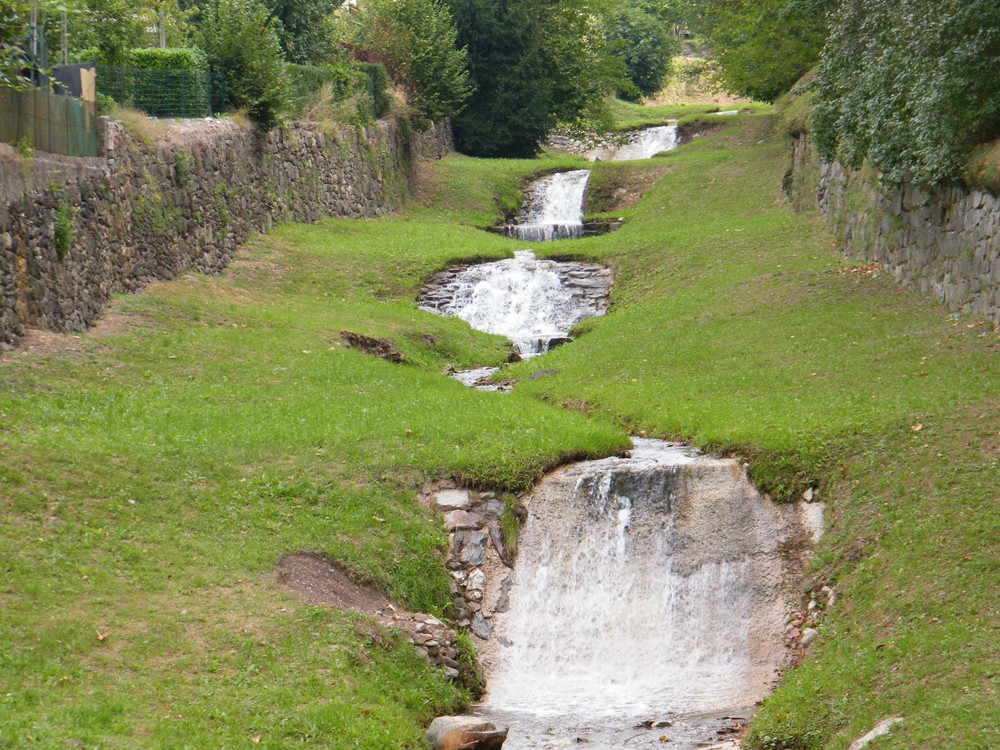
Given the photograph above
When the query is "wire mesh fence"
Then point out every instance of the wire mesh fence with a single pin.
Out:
(39, 119)
(163, 93)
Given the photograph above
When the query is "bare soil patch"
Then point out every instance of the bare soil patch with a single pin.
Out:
(323, 581)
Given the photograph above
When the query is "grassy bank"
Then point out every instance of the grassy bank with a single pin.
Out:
(152, 476)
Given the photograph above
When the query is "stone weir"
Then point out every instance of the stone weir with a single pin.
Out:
(652, 598)
(533, 302)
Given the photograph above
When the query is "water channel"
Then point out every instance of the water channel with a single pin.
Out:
(650, 593)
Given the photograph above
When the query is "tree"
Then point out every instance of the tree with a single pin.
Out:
(645, 45)
(241, 43)
(305, 31)
(13, 25)
(416, 39)
(534, 64)
(764, 47)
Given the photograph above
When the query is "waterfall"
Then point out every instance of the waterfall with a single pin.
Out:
(553, 209)
(532, 302)
(644, 587)
(645, 144)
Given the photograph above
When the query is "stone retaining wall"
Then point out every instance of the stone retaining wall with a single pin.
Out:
(944, 242)
(149, 211)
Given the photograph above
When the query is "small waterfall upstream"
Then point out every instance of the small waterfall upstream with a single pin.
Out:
(553, 209)
(645, 144)
(649, 588)
(532, 302)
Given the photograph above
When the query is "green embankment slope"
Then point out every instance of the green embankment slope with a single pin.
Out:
(152, 478)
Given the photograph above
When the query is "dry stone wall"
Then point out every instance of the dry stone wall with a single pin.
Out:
(73, 232)
(944, 242)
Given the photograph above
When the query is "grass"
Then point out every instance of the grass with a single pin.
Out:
(150, 480)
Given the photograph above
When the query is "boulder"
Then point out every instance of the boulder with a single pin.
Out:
(465, 733)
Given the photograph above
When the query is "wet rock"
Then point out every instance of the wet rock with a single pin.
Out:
(481, 626)
(496, 539)
(503, 603)
(465, 733)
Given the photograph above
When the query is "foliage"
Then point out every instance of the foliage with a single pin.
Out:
(305, 80)
(416, 40)
(764, 47)
(241, 45)
(169, 58)
(63, 230)
(903, 84)
(646, 47)
(533, 64)
(12, 27)
(305, 29)
(111, 27)
(376, 82)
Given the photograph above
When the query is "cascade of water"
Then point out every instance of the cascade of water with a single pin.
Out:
(644, 144)
(554, 209)
(530, 301)
(642, 588)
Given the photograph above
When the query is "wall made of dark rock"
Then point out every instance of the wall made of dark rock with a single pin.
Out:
(149, 211)
(943, 242)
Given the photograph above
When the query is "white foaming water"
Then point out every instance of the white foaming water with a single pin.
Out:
(626, 601)
(523, 298)
(554, 210)
(645, 144)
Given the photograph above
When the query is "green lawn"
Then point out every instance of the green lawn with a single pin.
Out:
(151, 479)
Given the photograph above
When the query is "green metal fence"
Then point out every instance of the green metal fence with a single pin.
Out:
(48, 122)
(163, 93)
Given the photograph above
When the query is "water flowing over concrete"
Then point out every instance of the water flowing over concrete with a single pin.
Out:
(553, 208)
(645, 144)
(645, 588)
(532, 302)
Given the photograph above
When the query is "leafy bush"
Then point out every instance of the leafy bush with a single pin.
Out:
(906, 85)
(416, 38)
(240, 43)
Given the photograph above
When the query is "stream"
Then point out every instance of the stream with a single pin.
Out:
(651, 592)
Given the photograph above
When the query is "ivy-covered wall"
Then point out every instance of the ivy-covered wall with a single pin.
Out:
(942, 241)
(75, 231)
